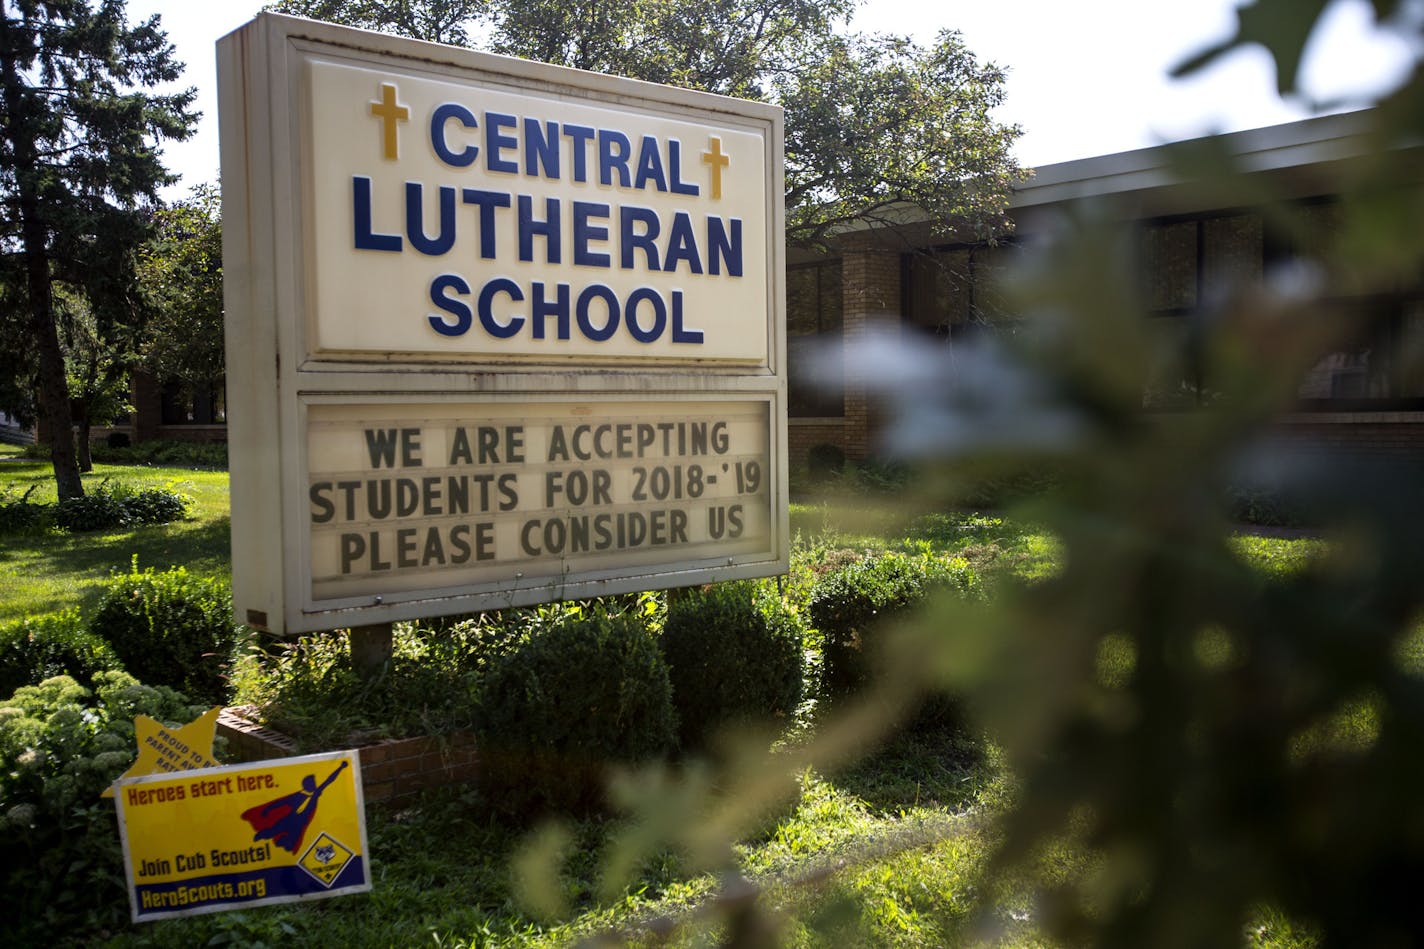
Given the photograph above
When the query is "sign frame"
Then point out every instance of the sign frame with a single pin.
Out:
(274, 371)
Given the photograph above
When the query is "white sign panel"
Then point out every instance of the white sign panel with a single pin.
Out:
(420, 496)
(498, 333)
(455, 218)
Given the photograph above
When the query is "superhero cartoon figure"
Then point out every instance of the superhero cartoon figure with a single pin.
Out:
(286, 819)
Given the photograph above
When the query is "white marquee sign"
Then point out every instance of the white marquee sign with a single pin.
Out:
(498, 332)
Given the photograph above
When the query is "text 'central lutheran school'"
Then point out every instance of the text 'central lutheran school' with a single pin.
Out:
(613, 230)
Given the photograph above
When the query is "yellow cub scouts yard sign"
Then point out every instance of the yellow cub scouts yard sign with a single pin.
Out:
(246, 835)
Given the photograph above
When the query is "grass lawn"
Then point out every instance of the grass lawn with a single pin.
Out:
(890, 851)
(52, 572)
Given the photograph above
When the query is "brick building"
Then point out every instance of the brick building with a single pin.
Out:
(1366, 398)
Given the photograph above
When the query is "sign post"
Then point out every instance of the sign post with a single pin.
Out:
(498, 333)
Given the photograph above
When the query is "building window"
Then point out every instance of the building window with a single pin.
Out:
(1188, 262)
(815, 375)
(952, 293)
(1169, 266)
(192, 405)
(939, 292)
(1381, 365)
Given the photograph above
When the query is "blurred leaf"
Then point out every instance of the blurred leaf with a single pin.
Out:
(1282, 26)
(538, 872)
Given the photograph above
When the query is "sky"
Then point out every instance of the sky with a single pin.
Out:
(1085, 77)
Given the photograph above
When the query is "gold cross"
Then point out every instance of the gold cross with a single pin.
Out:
(718, 161)
(389, 112)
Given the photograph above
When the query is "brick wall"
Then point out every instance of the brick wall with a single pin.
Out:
(193, 433)
(870, 301)
(148, 407)
(249, 741)
(804, 434)
(399, 768)
(1392, 436)
(389, 769)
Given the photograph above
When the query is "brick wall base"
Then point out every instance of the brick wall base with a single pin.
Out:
(1394, 437)
(803, 434)
(173, 433)
(390, 770)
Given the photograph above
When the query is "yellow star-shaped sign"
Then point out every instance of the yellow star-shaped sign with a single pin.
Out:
(162, 750)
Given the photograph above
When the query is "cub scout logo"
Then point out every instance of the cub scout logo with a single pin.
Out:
(325, 859)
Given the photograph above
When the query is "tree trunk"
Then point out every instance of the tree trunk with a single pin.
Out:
(54, 386)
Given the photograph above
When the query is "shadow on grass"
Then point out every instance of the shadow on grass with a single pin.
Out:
(923, 766)
(55, 572)
(28, 469)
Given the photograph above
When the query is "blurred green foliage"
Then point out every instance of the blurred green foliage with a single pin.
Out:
(1208, 736)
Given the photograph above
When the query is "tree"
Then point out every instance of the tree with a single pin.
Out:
(80, 169)
(438, 21)
(878, 125)
(728, 47)
(878, 128)
(97, 358)
(17, 371)
(180, 274)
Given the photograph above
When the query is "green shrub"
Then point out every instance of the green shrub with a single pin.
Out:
(583, 692)
(852, 606)
(102, 508)
(1266, 507)
(304, 688)
(734, 658)
(20, 515)
(877, 477)
(869, 478)
(824, 461)
(108, 505)
(105, 507)
(1000, 490)
(184, 454)
(172, 452)
(156, 506)
(60, 747)
(474, 644)
(171, 628)
(39, 648)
